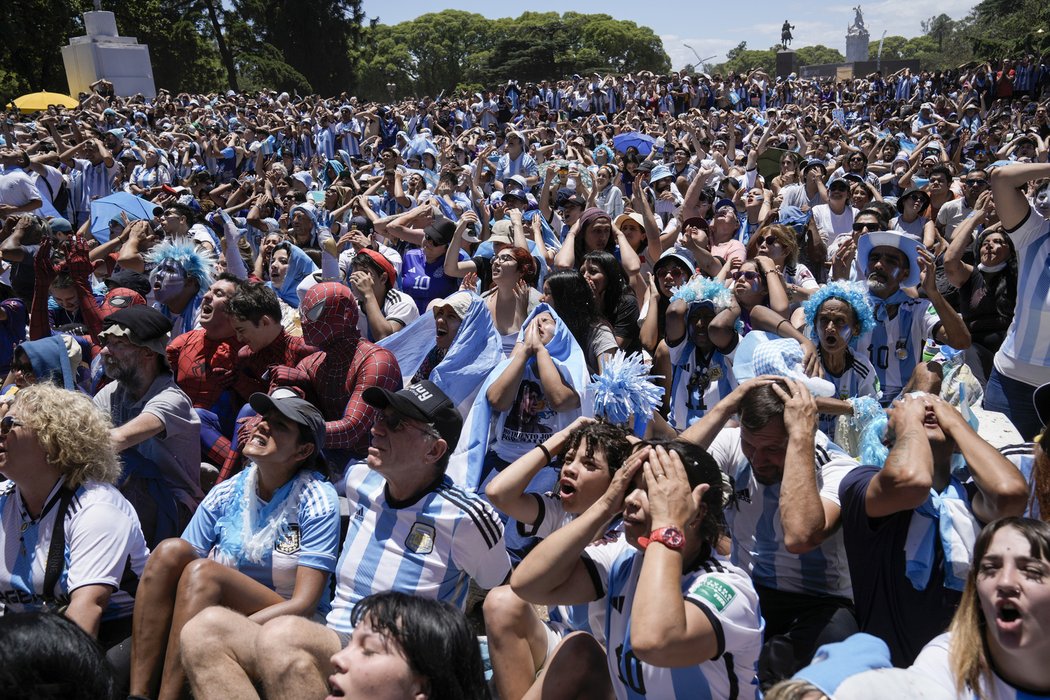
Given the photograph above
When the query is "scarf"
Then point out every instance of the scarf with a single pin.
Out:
(946, 515)
(879, 306)
(249, 532)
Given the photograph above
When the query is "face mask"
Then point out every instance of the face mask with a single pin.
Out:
(991, 268)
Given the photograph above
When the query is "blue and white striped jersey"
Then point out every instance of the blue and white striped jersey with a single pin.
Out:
(103, 537)
(430, 548)
(858, 379)
(724, 594)
(1025, 354)
(1023, 457)
(753, 515)
(895, 345)
(311, 539)
(696, 385)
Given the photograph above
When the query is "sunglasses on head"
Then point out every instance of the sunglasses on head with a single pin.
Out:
(7, 423)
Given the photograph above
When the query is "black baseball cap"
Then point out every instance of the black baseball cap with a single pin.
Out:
(294, 408)
(440, 232)
(424, 402)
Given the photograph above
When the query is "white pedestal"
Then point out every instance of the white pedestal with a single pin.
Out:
(104, 54)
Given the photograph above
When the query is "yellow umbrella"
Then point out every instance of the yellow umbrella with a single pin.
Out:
(38, 101)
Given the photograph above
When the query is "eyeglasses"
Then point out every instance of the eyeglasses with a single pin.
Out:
(395, 423)
(7, 423)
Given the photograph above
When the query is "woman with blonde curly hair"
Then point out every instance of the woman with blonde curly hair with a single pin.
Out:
(999, 641)
(71, 541)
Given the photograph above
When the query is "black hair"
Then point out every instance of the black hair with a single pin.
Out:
(571, 297)
(700, 468)
(887, 212)
(608, 439)
(44, 656)
(184, 211)
(615, 284)
(252, 301)
(942, 170)
(229, 277)
(877, 213)
(435, 638)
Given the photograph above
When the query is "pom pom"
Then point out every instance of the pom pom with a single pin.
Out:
(625, 388)
(700, 289)
(871, 422)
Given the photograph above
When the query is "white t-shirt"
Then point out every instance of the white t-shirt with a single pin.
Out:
(530, 420)
(831, 225)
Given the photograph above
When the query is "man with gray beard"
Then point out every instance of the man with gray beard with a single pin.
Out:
(890, 261)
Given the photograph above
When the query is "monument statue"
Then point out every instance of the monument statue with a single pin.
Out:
(858, 23)
(857, 38)
(785, 34)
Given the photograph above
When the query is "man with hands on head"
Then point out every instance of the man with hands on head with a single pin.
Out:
(670, 494)
(784, 516)
(907, 575)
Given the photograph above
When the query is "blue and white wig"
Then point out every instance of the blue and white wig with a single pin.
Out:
(853, 294)
(198, 266)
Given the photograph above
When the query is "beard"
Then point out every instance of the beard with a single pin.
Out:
(878, 285)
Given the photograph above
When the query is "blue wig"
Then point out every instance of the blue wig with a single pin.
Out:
(850, 292)
(198, 265)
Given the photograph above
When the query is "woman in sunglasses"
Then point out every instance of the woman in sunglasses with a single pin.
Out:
(780, 244)
(72, 542)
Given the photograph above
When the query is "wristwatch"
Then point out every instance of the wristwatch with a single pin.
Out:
(670, 537)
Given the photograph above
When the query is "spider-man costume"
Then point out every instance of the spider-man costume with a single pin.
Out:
(336, 376)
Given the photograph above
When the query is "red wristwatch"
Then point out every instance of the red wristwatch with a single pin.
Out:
(670, 537)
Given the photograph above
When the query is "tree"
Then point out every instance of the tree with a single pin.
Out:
(938, 27)
(818, 55)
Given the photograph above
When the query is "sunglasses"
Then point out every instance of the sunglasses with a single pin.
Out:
(396, 423)
(7, 423)
(975, 183)
(749, 275)
(864, 226)
(769, 240)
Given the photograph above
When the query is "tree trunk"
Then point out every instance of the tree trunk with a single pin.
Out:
(224, 50)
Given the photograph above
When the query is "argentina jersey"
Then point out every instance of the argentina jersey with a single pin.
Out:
(698, 382)
(1025, 353)
(753, 516)
(856, 380)
(310, 538)
(895, 344)
(102, 539)
(724, 594)
(1023, 457)
(935, 663)
(430, 548)
(585, 617)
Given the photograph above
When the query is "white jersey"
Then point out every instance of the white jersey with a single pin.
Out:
(934, 664)
(430, 548)
(857, 379)
(895, 345)
(586, 617)
(1023, 457)
(103, 538)
(1025, 354)
(753, 515)
(723, 593)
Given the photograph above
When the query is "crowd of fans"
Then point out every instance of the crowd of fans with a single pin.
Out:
(292, 383)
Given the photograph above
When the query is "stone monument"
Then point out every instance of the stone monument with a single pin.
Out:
(857, 39)
(121, 60)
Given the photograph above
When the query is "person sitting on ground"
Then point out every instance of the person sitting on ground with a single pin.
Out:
(520, 643)
(263, 544)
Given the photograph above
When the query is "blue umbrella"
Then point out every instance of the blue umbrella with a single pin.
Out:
(106, 209)
(643, 142)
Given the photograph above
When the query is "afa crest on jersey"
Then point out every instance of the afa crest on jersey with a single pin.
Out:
(420, 538)
(290, 542)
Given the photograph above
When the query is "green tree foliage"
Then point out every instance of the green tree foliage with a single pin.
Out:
(742, 60)
(818, 55)
(1009, 28)
(443, 50)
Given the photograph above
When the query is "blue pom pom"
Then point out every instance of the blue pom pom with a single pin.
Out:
(625, 388)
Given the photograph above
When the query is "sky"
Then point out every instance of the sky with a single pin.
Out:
(712, 28)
